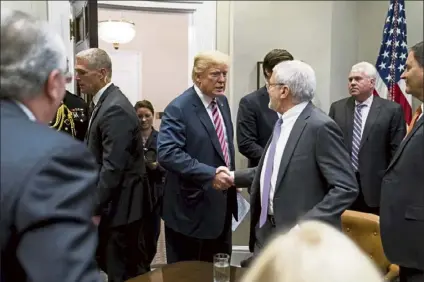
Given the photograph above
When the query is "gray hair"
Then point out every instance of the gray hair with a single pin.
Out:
(366, 68)
(30, 51)
(97, 59)
(299, 77)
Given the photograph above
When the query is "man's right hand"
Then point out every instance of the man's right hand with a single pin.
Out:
(223, 179)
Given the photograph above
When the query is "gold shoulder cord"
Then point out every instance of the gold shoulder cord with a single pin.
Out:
(62, 114)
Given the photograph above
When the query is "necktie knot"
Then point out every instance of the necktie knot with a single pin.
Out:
(360, 106)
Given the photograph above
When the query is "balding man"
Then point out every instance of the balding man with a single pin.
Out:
(373, 129)
(114, 137)
(47, 178)
(195, 138)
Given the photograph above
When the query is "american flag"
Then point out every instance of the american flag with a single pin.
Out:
(392, 57)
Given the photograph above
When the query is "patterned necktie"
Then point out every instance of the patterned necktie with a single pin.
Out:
(90, 109)
(269, 167)
(414, 120)
(220, 131)
(357, 135)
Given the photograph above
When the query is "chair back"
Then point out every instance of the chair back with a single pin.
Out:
(364, 230)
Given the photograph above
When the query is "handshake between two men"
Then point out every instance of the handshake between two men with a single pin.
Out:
(224, 179)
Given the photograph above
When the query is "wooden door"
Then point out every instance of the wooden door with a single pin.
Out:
(84, 30)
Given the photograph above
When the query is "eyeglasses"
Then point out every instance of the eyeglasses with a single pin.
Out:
(268, 85)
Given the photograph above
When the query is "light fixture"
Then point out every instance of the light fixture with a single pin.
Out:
(116, 32)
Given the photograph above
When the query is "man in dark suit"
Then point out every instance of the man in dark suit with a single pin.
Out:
(47, 178)
(114, 138)
(304, 173)
(373, 129)
(255, 120)
(195, 138)
(402, 190)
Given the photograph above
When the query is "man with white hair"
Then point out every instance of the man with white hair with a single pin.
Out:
(304, 173)
(47, 178)
(373, 129)
(114, 137)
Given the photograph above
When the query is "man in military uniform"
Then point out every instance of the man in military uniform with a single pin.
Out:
(72, 116)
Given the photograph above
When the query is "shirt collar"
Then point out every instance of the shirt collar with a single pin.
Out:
(96, 97)
(367, 102)
(27, 111)
(294, 111)
(206, 100)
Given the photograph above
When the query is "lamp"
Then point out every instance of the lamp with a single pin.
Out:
(116, 32)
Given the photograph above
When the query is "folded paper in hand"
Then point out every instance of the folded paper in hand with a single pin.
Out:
(243, 209)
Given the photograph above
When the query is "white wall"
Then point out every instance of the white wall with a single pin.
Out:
(35, 8)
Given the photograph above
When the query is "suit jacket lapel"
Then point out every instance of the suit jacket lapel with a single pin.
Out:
(291, 144)
(108, 90)
(372, 117)
(350, 108)
(207, 122)
(402, 145)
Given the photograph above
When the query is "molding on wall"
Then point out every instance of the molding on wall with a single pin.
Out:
(160, 6)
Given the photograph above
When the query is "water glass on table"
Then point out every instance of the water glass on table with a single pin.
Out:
(221, 268)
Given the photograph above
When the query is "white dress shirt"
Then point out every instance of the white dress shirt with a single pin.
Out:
(365, 111)
(422, 111)
(289, 119)
(206, 100)
(27, 111)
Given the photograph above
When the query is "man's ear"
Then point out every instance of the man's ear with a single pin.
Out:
(54, 86)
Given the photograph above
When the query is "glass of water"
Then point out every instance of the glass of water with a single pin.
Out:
(221, 268)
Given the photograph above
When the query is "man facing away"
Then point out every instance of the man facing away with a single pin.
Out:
(255, 120)
(113, 136)
(402, 189)
(195, 138)
(47, 178)
(304, 173)
(373, 129)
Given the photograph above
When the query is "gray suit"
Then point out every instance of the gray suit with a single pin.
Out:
(315, 180)
(46, 200)
(402, 203)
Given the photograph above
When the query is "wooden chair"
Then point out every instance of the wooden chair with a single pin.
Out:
(364, 230)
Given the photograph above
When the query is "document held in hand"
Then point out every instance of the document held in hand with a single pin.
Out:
(243, 209)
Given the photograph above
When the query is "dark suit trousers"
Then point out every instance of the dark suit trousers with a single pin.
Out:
(360, 205)
(180, 247)
(119, 253)
(411, 275)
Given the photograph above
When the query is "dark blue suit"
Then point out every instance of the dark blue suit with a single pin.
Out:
(46, 197)
(188, 148)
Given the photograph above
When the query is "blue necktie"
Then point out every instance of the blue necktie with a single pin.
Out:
(269, 167)
(357, 135)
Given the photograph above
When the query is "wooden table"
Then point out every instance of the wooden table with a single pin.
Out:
(193, 271)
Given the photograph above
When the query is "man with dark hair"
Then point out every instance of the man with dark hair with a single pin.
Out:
(255, 120)
(402, 191)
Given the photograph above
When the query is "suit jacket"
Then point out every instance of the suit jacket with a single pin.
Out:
(115, 139)
(46, 201)
(255, 122)
(383, 132)
(188, 148)
(315, 180)
(402, 202)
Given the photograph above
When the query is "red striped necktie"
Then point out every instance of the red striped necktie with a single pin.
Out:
(217, 120)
